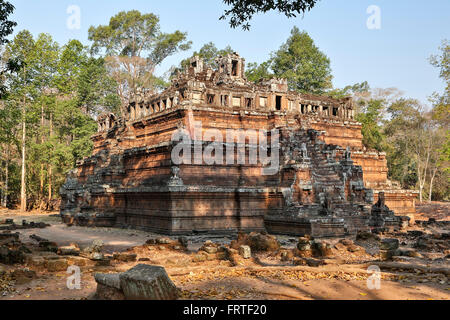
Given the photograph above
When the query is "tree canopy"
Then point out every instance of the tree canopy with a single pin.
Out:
(242, 11)
(299, 60)
(6, 28)
(134, 45)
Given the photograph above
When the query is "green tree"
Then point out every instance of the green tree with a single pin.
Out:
(370, 116)
(96, 90)
(59, 91)
(256, 72)
(22, 85)
(441, 116)
(134, 46)
(298, 60)
(306, 68)
(358, 91)
(6, 28)
(412, 133)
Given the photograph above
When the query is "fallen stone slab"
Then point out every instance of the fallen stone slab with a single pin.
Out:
(124, 256)
(55, 265)
(72, 250)
(389, 244)
(108, 286)
(146, 282)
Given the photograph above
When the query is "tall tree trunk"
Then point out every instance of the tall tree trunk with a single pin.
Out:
(50, 164)
(23, 194)
(431, 184)
(5, 194)
(41, 182)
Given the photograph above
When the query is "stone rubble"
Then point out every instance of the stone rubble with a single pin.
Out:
(142, 282)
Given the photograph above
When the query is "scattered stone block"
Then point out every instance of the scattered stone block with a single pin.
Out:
(143, 259)
(366, 235)
(286, 255)
(108, 287)
(311, 262)
(304, 244)
(389, 244)
(346, 242)
(145, 282)
(183, 241)
(163, 240)
(411, 253)
(124, 256)
(96, 256)
(210, 249)
(78, 261)
(96, 246)
(57, 265)
(256, 241)
(200, 257)
(71, 250)
(245, 252)
(321, 248)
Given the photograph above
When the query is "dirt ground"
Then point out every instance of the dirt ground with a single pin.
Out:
(344, 275)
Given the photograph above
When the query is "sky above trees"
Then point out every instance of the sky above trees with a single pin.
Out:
(395, 55)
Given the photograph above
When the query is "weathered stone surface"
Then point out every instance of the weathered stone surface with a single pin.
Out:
(304, 244)
(145, 282)
(210, 249)
(389, 244)
(96, 246)
(108, 279)
(124, 256)
(183, 241)
(257, 242)
(163, 240)
(57, 265)
(72, 250)
(245, 252)
(318, 186)
(387, 254)
(199, 257)
(108, 287)
(321, 248)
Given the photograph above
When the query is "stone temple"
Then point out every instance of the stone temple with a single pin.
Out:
(322, 181)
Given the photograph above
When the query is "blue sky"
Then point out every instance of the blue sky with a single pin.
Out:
(394, 56)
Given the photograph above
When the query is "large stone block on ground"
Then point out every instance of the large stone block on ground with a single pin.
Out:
(389, 244)
(57, 265)
(245, 252)
(145, 282)
(108, 287)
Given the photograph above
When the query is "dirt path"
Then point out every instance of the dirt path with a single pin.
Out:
(53, 287)
(262, 277)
